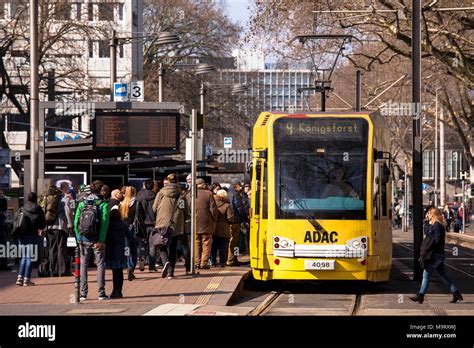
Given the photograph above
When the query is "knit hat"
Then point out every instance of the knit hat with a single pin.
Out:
(222, 193)
(200, 181)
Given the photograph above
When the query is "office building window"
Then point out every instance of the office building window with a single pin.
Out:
(90, 11)
(104, 49)
(121, 11)
(428, 163)
(78, 9)
(62, 12)
(106, 12)
(19, 9)
(91, 49)
(120, 51)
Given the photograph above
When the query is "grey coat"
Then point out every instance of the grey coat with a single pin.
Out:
(65, 214)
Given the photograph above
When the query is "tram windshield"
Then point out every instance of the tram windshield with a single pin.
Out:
(320, 168)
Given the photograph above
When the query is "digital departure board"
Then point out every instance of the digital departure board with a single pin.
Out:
(136, 131)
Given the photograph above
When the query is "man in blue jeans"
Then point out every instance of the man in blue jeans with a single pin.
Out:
(92, 242)
(34, 216)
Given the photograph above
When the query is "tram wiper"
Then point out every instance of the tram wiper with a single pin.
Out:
(311, 219)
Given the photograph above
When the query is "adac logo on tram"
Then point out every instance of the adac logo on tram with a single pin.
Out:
(320, 237)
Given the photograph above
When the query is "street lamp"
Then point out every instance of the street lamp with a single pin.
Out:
(164, 38)
(203, 69)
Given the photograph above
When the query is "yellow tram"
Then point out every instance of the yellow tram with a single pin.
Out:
(321, 197)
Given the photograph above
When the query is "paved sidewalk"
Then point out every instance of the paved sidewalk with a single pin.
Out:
(55, 296)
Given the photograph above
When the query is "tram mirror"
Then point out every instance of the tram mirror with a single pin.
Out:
(260, 154)
(385, 174)
(382, 155)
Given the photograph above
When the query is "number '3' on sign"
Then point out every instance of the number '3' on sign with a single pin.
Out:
(137, 91)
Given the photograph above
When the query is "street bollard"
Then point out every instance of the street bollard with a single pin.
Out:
(77, 273)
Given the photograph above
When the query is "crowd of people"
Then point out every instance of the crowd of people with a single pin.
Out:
(453, 215)
(124, 229)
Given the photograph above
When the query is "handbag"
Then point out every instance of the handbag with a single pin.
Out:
(138, 225)
(426, 251)
(161, 236)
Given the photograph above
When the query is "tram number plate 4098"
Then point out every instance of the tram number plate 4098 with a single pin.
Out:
(320, 264)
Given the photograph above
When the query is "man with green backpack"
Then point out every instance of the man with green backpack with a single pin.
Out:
(90, 225)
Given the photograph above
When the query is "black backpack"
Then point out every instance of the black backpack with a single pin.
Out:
(89, 221)
(21, 223)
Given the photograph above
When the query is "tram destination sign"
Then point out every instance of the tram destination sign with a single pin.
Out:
(146, 131)
(329, 128)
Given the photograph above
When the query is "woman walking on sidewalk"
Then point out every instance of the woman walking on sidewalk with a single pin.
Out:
(129, 213)
(432, 256)
(115, 255)
(34, 220)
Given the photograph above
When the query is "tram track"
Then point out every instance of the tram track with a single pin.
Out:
(446, 263)
(268, 303)
(264, 306)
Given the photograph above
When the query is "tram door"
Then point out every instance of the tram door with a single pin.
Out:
(381, 204)
(259, 214)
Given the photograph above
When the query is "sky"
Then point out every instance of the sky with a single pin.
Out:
(237, 10)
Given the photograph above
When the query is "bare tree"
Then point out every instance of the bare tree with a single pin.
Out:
(384, 39)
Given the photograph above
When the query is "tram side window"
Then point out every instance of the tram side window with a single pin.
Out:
(258, 172)
(265, 193)
(384, 178)
(376, 192)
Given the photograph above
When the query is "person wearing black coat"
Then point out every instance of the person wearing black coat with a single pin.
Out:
(240, 216)
(115, 253)
(36, 225)
(3, 229)
(432, 256)
(146, 198)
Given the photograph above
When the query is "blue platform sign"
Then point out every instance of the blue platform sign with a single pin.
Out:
(4, 156)
(4, 178)
(120, 92)
(227, 143)
(424, 186)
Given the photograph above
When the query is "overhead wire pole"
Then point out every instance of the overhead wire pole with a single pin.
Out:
(358, 99)
(416, 146)
(34, 97)
(193, 187)
(113, 63)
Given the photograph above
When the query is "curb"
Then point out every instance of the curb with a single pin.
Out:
(463, 240)
(238, 291)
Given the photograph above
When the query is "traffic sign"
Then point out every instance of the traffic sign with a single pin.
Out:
(227, 143)
(120, 92)
(209, 151)
(463, 175)
(137, 91)
(424, 186)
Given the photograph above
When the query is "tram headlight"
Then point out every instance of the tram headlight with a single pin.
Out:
(356, 244)
(284, 243)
